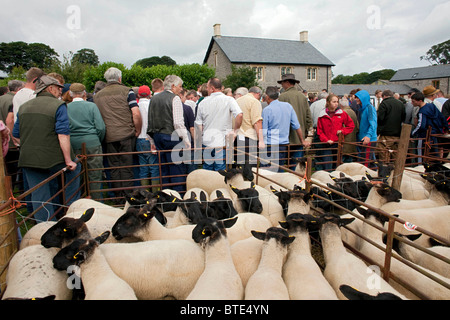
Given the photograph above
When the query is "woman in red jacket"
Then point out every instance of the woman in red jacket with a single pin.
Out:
(332, 121)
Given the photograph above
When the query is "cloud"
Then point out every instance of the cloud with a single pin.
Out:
(358, 36)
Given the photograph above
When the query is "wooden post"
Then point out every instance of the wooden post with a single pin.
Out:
(308, 174)
(8, 225)
(402, 152)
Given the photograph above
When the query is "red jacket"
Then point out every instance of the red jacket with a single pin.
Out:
(327, 127)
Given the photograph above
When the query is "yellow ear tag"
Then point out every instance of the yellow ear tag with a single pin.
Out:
(148, 202)
(145, 215)
(75, 256)
(65, 230)
(174, 199)
(132, 199)
(203, 232)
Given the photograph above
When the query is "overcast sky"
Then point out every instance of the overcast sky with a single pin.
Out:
(357, 36)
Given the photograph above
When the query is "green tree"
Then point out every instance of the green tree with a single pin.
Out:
(85, 56)
(364, 77)
(438, 54)
(240, 77)
(154, 61)
(19, 53)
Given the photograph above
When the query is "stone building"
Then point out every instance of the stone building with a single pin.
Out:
(437, 76)
(271, 58)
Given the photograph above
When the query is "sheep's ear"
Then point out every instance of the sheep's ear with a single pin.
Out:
(253, 185)
(228, 223)
(236, 190)
(259, 235)
(219, 194)
(223, 172)
(87, 215)
(284, 224)
(102, 238)
(80, 256)
(274, 191)
(346, 221)
(202, 196)
(413, 237)
(307, 197)
(369, 176)
(353, 294)
(287, 240)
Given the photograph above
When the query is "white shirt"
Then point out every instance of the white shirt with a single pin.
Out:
(316, 108)
(215, 115)
(22, 96)
(143, 108)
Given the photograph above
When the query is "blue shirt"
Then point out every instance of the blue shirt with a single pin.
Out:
(278, 118)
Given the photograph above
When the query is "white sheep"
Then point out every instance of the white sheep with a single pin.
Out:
(99, 281)
(354, 168)
(31, 274)
(157, 269)
(219, 280)
(420, 282)
(246, 255)
(302, 275)
(342, 267)
(267, 282)
(279, 179)
(422, 258)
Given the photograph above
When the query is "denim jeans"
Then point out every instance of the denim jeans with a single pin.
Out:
(276, 154)
(328, 155)
(164, 142)
(145, 159)
(48, 190)
(214, 159)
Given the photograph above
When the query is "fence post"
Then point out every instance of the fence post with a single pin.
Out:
(340, 149)
(400, 159)
(7, 224)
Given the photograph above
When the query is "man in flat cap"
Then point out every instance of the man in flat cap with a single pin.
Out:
(87, 126)
(43, 129)
(301, 107)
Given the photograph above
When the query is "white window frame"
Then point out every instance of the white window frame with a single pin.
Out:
(260, 72)
(310, 75)
(286, 71)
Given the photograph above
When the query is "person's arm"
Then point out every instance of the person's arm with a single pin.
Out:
(137, 120)
(64, 143)
(259, 133)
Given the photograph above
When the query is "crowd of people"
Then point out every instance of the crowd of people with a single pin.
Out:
(49, 122)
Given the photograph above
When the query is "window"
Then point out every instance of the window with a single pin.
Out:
(259, 72)
(215, 58)
(436, 83)
(286, 70)
(311, 74)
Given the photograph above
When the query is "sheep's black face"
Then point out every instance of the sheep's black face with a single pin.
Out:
(389, 193)
(301, 221)
(280, 235)
(67, 229)
(210, 230)
(334, 218)
(249, 199)
(73, 254)
(222, 208)
(138, 197)
(129, 223)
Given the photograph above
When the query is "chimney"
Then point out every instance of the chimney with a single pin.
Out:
(217, 30)
(304, 36)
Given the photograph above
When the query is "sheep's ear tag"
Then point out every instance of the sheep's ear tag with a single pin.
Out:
(75, 257)
(174, 199)
(148, 202)
(132, 199)
(233, 187)
(203, 231)
(65, 230)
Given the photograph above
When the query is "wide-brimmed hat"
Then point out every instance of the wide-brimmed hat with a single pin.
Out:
(430, 90)
(287, 77)
(44, 82)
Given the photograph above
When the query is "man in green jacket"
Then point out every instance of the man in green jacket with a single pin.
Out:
(43, 129)
(87, 126)
(301, 107)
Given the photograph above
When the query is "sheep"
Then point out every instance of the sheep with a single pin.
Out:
(211, 180)
(253, 197)
(99, 281)
(297, 201)
(302, 275)
(280, 179)
(139, 223)
(422, 258)
(221, 205)
(436, 220)
(354, 168)
(198, 193)
(343, 267)
(219, 280)
(267, 282)
(31, 274)
(157, 269)
(436, 199)
(420, 282)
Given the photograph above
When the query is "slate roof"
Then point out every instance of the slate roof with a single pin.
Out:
(269, 51)
(431, 72)
(342, 89)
